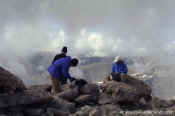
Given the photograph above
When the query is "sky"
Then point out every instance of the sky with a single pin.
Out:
(94, 27)
(88, 27)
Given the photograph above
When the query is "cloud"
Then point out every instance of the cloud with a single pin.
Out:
(135, 25)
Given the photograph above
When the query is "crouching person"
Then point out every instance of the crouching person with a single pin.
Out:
(119, 69)
(60, 70)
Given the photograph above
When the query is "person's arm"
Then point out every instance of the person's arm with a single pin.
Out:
(125, 69)
(65, 72)
(113, 68)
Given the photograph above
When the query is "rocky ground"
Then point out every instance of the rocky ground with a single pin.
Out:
(130, 97)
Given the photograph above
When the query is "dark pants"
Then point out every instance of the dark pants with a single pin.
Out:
(116, 76)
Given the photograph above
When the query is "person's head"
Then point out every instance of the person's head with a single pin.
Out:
(74, 62)
(64, 50)
(117, 59)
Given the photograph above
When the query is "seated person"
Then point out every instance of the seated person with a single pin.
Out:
(119, 68)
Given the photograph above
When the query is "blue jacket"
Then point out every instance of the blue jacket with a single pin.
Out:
(119, 68)
(60, 68)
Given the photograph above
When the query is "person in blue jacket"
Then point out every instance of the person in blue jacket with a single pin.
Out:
(59, 70)
(119, 68)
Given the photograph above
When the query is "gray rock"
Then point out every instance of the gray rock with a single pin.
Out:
(3, 115)
(29, 100)
(15, 114)
(56, 112)
(45, 87)
(9, 82)
(92, 90)
(44, 90)
(109, 109)
(19, 99)
(63, 105)
(142, 88)
(69, 94)
(33, 111)
(105, 99)
(16, 109)
(162, 104)
(128, 90)
(86, 100)
(104, 110)
(121, 92)
(95, 112)
(84, 111)
(37, 92)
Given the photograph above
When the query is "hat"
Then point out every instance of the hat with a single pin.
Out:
(117, 58)
(64, 49)
(74, 62)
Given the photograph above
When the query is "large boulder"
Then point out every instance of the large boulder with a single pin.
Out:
(129, 90)
(62, 105)
(44, 87)
(91, 90)
(121, 92)
(85, 100)
(141, 87)
(9, 82)
(33, 112)
(37, 92)
(56, 112)
(84, 111)
(22, 99)
(110, 110)
(69, 94)
(105, 99)
(105, 110)
(157, 103)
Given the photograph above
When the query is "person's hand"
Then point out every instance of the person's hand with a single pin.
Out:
(73, 79)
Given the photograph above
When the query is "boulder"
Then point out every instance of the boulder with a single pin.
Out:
(21, 99)
(121, 92)
(95, 112)
(110, 110)
(84, 111)
(92, 90)
(157, 103)
(69, 94)
(28, 100)
(56, 112)
(37, 92)
(15, 114)
(10, 82)
(105, 99)
(104, 110)
(86, 100)
(142, 88)
(33, 111)
(45, 87)
(62, 105)
(127, 90)
(3, 115)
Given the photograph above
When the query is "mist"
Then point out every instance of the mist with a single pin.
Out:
(106, 28)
